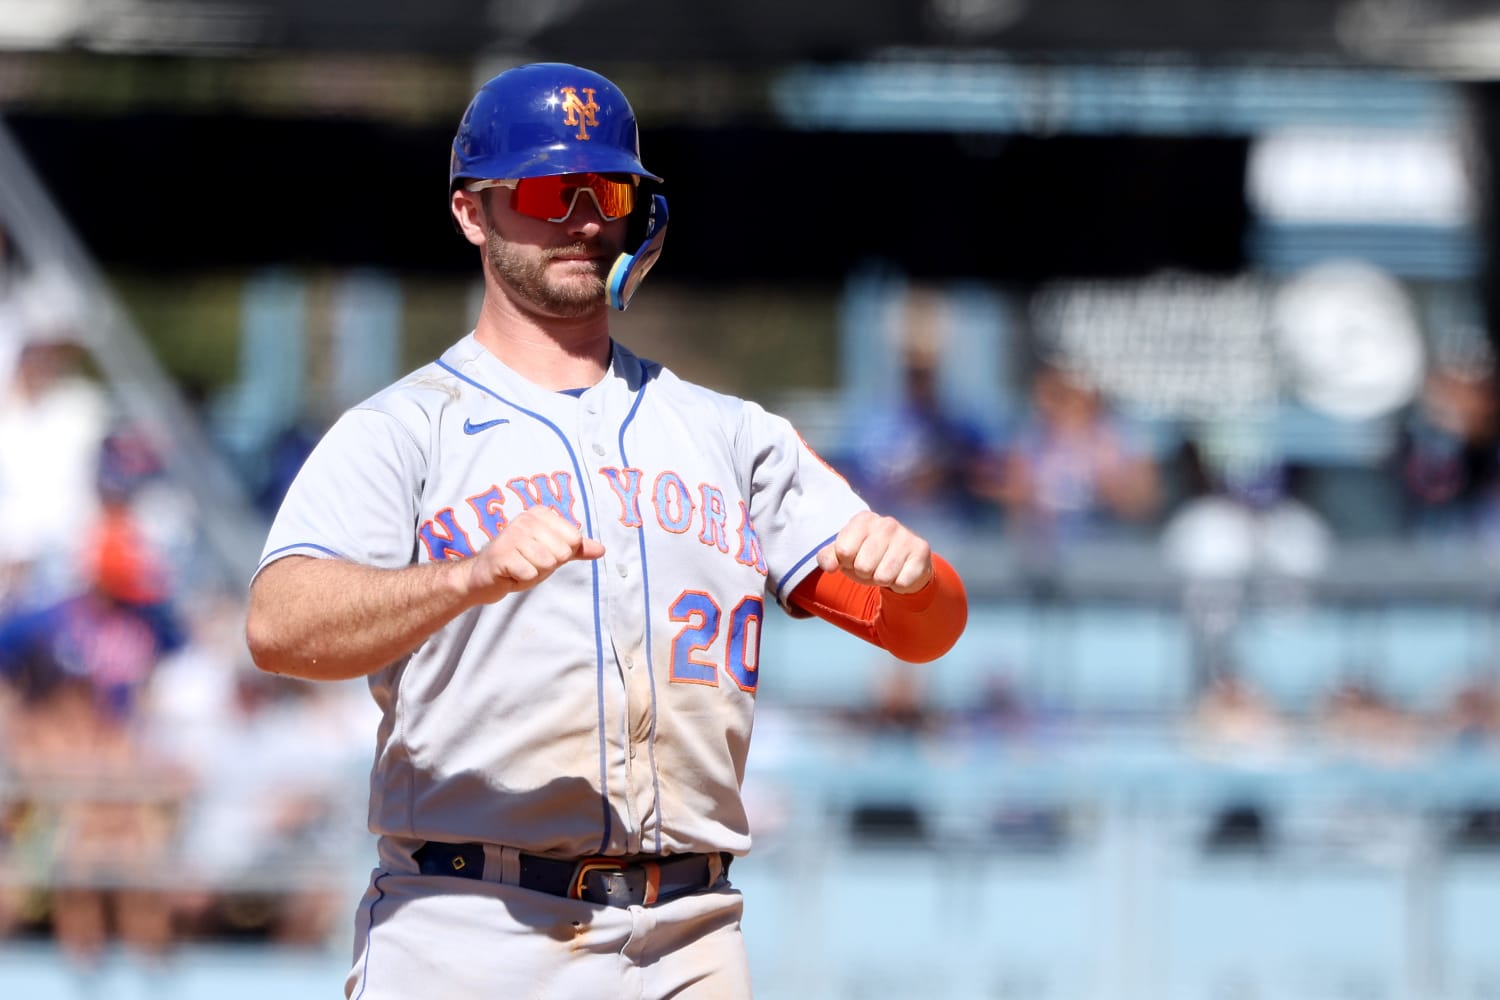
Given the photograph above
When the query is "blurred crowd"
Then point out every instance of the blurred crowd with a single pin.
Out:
(154, 786)
(1232, 522)
(1070, 469)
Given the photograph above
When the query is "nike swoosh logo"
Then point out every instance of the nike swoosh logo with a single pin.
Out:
(472, 428)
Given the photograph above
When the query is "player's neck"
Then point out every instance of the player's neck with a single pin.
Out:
(551, 352)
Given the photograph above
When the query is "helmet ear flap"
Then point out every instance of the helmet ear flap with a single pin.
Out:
(645, 243)
(641, 216)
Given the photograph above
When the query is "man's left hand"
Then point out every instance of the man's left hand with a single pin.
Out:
(880, 551)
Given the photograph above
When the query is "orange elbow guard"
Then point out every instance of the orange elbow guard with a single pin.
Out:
(917, 628)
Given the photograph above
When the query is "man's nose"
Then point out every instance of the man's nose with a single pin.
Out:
(586, 217)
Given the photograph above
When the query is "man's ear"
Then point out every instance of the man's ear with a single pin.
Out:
(468, 215)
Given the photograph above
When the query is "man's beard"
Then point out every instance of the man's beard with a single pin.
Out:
(579, 296)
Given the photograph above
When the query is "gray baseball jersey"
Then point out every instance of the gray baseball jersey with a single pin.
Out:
(607, 710)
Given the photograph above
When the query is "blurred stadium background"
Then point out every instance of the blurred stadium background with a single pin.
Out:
(1175, 324)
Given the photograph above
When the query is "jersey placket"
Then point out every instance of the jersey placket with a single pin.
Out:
(623, 609)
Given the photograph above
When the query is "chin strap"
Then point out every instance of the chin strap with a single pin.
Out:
(630, 268)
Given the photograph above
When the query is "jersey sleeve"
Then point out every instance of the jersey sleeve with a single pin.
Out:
(798, 502)
(355, 497)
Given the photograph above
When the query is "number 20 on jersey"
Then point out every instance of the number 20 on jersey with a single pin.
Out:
(696, 648)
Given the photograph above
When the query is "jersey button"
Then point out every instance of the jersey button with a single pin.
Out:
(599, 449)
(624, 571)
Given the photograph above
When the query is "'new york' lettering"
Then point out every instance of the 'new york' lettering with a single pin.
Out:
(671, 505)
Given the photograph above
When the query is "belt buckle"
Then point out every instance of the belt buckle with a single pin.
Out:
(617, 891)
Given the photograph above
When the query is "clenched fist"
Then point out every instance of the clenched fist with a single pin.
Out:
(881, 551)
(527, 550)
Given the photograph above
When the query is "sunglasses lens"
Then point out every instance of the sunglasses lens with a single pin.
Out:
(552, 198)
(616, 198)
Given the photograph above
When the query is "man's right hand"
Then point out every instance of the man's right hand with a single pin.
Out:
(527, 550)
(331, 619)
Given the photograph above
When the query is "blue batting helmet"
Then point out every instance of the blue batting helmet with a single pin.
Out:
(544, 119)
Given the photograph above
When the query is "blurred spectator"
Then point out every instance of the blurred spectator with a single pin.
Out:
(1072, 473)
(53, 418)
(899, 706)
(285, 453)
(278, 765)
(919, 458)
(1232, 719)
(109, 634)
(127, 464)
(1239, 519)
(998, 711)
(1471, 719)
(1470, 722)
(1355, 720)
(95, 809)
(1235, 723)
(133, 477)
(102, 813)
(1448, 455)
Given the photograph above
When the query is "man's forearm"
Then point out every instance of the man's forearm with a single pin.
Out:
(328, 619)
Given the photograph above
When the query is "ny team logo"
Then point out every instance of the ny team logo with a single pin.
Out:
(580, 113)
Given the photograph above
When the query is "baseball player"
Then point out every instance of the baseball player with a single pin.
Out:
(552, 559)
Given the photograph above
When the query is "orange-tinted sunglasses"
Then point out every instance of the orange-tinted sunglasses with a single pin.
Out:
(553, 198)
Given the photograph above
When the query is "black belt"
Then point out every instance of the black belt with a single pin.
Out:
(604, 880)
